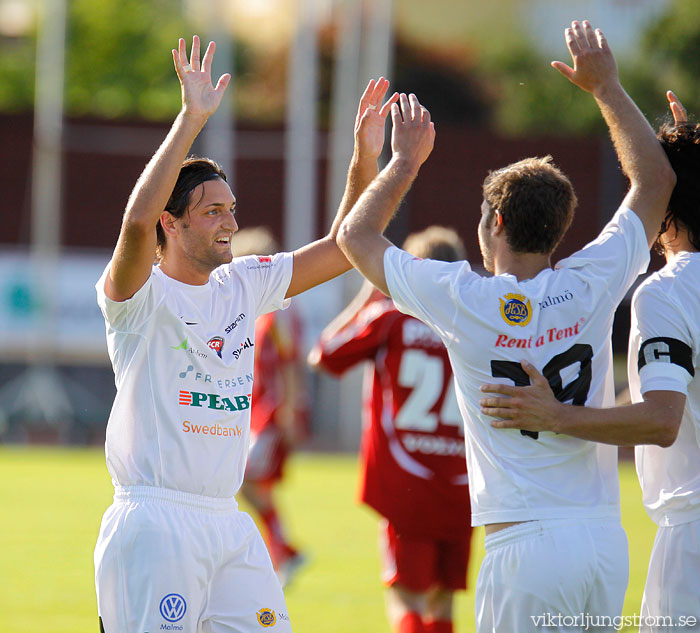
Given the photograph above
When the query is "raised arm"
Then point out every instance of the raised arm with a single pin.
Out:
(135, 251)
(640, 154)
(360, 236)
(323, 260)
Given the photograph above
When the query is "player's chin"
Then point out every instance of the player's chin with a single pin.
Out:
(224, 255)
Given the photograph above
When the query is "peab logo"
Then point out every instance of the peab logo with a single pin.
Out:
(173, 607)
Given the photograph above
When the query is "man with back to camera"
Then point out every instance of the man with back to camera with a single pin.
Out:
(663, 370)
(550, 504)
(174, 553)
(413, 464)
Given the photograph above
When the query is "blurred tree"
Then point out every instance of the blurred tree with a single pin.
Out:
(672, 52)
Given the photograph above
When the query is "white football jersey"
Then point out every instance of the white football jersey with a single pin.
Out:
(561, 322)
(183, 364)
(664, 355)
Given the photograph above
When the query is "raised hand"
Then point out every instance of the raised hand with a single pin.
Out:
(199, 97)
(680, 116)
(413, 133)
(594, 64)
(370, 119)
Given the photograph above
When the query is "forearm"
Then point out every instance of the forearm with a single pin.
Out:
(361, 172)
(154, 186)
(640, 154)
(642, 423)
(378, 204)
(637, 147)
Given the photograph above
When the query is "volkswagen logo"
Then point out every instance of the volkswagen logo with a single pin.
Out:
(173, 607)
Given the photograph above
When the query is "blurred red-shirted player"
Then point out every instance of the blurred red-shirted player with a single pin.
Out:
(279, 410)
(414, 470)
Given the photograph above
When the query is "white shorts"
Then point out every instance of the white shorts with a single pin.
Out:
(548, 575)
(672, 590)
(172, 561)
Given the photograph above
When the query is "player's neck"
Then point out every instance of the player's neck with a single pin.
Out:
(679, 243)
(183, 270)
(521, 265)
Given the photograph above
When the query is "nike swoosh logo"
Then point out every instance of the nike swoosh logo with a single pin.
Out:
(188, 323)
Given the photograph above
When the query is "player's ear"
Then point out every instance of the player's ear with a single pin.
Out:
(497, 225)
(167, 222)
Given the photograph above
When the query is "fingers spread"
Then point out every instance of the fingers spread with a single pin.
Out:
(366, 95)
(208, 57)
(579, 35)
(182, 52)
(415, 107)
(194, 57)
(680, 116)
(565, 70)
(602, 42)
(387, 106)
(222, 83)
(405, 106)
(506, 390)
(589, 34)
(396, 118)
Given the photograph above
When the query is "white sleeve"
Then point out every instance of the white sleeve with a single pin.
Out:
(665, 355)
(424, 288)
(616, 257)
(130, 315)
(268, 276)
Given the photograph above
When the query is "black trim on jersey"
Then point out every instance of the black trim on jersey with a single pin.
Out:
(102, 628)
(666, 350)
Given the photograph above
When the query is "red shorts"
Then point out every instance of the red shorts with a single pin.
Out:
(266, 456)
(421, 564)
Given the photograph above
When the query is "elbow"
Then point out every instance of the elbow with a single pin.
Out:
(664, 180)
(666, 436)
(347, 239)
(135, 224)
(667, 432)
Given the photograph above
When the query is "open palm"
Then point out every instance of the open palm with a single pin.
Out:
(370, 120)
(199, 97)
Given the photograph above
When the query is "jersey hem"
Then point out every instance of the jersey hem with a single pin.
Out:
(540, 514)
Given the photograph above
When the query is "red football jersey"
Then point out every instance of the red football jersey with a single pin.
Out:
(277, 342)
(413, 452)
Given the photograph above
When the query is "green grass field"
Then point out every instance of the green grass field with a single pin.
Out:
(52, 501)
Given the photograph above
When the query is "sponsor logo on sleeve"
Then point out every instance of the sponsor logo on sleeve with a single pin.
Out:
(266, 617)
(516, 309)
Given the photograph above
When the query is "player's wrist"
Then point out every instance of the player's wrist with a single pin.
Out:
(193, 116)
(562, 417)
(405, 165)
(606, 90)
